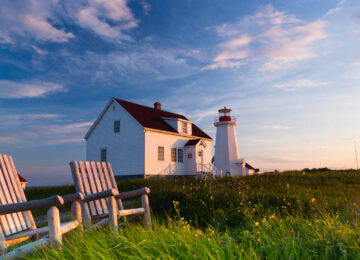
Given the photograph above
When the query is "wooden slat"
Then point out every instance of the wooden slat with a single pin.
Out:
(85, 182)
(4, 218)
(79, 187)
(8, 194)
(111, 175)
(93, 187)
(98, 186)
(107, 173)
(10, 188)
(27, 214)
(14, 179)
(103, 182)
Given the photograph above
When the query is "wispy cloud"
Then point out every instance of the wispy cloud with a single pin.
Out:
(276, 127)
(232, 54)
(43, 20)
(46, 132)
(7, 139)
(64, 141)
(298, 84)
(95, 15)
(276, 39)
(39, 51)
(31, 18)
(15, 89)
(338, 8)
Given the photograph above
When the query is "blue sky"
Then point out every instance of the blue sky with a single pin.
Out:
(290, 71)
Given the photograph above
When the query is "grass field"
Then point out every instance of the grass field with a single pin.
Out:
(291, 215)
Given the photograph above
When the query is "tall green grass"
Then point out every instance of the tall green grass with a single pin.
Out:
(288, 238)
(291, 215)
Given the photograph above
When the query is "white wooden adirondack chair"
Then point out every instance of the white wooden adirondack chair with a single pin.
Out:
(93, 177)
(16, 221)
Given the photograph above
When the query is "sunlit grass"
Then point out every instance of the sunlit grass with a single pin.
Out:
(293, 215)
(287, 238)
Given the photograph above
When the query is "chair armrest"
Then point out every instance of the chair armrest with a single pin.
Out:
(101, 195)
(30, 205)
(73, 197)
(133, 193)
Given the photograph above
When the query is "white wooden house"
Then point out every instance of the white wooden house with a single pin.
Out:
(142, 142)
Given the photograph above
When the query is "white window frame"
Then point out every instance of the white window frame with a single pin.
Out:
(184, 127)
(161, 155)
(116, 128)
(180, 159)
(173, 155)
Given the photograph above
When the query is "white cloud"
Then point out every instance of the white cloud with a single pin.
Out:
(43, 20)
(39, 51)
(275, 38)
(66, 129)
(31, 18)
(65, 141)
(276, 127)
(95, 14)
(338, 8)
(297, 84)
(232, 54)
(14, 89)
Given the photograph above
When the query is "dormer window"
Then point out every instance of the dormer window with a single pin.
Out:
(184, 127)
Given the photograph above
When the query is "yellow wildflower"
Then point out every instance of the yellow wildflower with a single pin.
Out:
(256, 224)
(313, 200)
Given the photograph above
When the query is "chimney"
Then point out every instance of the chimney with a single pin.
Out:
(157, 105)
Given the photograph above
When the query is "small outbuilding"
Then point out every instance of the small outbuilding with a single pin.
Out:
(23, 181)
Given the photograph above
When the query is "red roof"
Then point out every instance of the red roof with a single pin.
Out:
(152, 118)
(21, 178)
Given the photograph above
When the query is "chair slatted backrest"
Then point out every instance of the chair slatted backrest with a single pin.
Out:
(90, 178)
(12, 192)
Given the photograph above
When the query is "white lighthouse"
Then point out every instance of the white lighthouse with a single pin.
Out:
(226, 149)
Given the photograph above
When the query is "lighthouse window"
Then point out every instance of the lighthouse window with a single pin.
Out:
(161, 153)
(180, 155)
(173, 154)
(184, 128)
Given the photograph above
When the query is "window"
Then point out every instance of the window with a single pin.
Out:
(189, 155)
(103, 155)
(173, 154)
(161, 153)
(184, 127)
(180, 155)
(199, 153)
(117, 126)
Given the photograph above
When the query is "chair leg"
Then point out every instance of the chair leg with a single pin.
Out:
(111, 203)
(53, 216)
(76, 212)
(3, 245)
(147, 216)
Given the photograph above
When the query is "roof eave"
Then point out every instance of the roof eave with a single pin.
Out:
(98, 119)
(178, 134)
